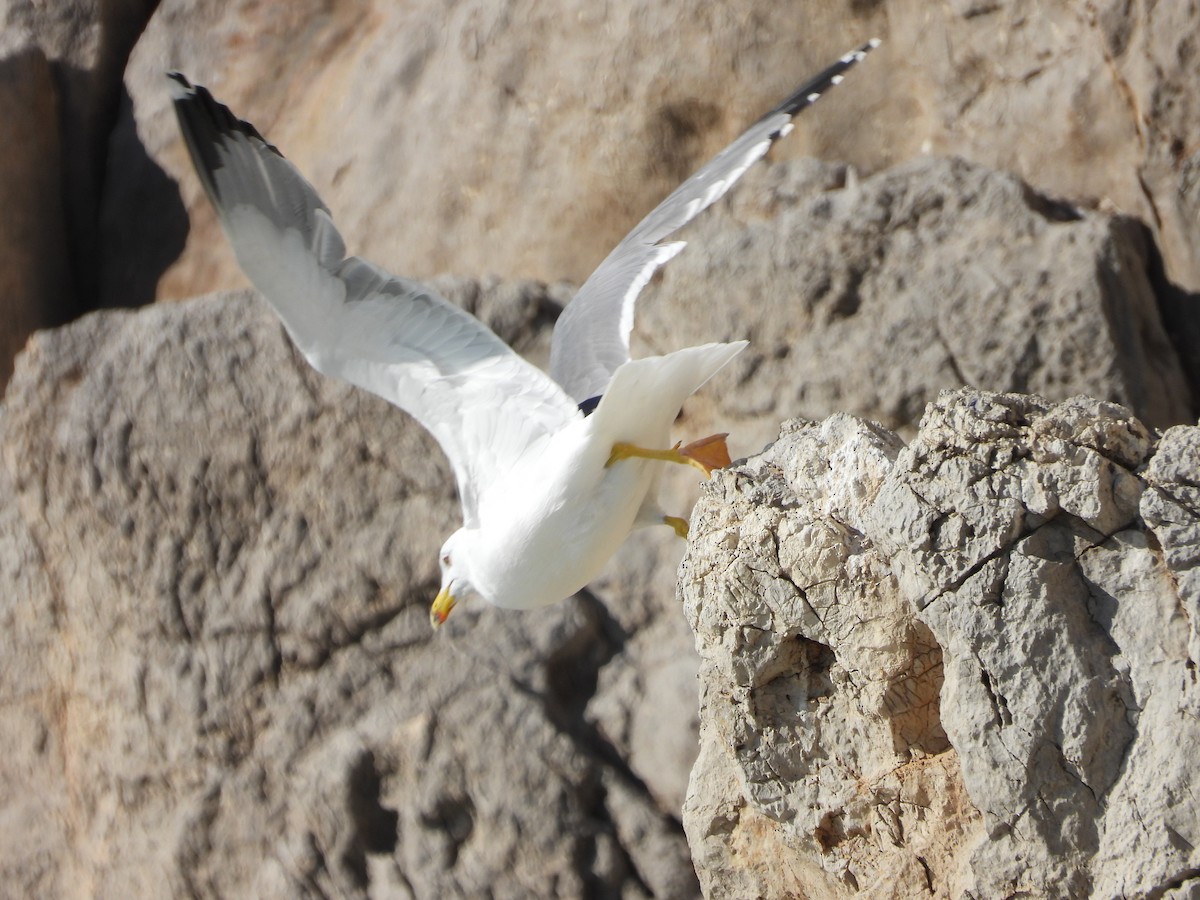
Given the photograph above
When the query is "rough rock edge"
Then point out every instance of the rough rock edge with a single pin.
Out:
(1037, 558)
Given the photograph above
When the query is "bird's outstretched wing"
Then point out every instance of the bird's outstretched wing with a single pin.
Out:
(591, 338)
(394, 337)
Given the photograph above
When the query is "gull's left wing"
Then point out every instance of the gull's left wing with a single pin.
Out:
(394, 337)
(591, 339)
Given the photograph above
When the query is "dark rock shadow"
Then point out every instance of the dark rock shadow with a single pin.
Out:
(143, 221)
(1180, 311)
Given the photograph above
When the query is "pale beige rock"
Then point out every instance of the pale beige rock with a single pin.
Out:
(1086, 101)
(645, 703)
(484, 138)
(870, 295)
(86, 43)
(512, 139)
(998, 617)
(640, 666)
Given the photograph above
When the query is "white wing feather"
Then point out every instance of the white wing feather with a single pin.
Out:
(397, 338)
(591, 339)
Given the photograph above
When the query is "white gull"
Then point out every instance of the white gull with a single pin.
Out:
(554, 470)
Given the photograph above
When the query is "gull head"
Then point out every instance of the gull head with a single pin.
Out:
(455, 561)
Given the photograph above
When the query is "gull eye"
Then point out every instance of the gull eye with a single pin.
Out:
(446, 560)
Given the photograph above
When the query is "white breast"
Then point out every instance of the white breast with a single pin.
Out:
(552, 526)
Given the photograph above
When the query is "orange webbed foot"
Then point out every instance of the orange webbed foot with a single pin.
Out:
(708, 453)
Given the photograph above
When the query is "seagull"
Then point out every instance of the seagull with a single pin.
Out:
(553, 471)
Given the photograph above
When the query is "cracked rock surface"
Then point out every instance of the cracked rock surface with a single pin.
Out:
(220, 679)
(965, 667)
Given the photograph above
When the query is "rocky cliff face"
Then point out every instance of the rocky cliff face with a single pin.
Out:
(216, 677)
(962, 667)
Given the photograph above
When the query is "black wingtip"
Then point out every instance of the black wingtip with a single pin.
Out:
(810, 92)
(206, 124)
(203, 114)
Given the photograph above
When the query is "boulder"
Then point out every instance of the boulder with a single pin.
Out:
(869, 295)
(221, 679)
(961, 667)
(482, 139)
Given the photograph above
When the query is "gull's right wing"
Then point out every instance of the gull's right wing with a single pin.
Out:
(394, 337)
(591, 339)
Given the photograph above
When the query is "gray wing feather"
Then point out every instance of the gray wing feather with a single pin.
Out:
(591, 338)
(397, 338)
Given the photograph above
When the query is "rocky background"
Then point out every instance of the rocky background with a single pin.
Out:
(961, 666)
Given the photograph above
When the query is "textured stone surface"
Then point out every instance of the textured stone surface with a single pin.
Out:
(1090, 101)
(965, 667)
(511, 138)
(221, 679)
(507, 138)
(823, 765)
(547, 164)
(635, 696)
(870, 296)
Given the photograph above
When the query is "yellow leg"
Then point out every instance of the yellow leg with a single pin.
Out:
(705, 454)
(680, 525)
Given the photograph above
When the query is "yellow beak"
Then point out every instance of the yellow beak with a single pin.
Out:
(441, 607)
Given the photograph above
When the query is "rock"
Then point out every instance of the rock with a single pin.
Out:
(967, 275)
(516, 158)
(489, 127)
(547, 165)
(869, 296)
(630, 696)
(1116, 78)
(962, 667)
(645, 706)
(222, 680)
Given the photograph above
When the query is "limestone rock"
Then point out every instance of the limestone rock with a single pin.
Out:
(222, 681)
(546, 164)
(962, 667)
(645, 705)
(569, 123)
(300, 584)
(1090, 102)
(869, 296)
